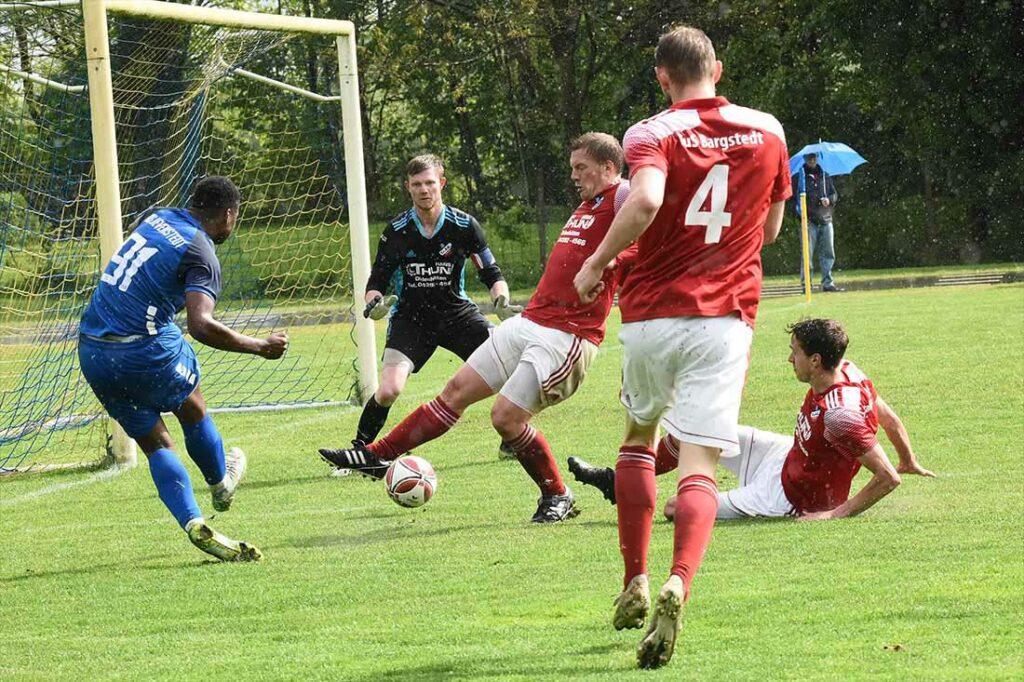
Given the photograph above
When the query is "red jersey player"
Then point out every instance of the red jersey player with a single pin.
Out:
(708, 184)
(808, 474)
(537, 359)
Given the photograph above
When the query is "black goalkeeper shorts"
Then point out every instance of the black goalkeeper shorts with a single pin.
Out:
(418, 341)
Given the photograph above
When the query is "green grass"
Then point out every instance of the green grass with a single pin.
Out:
(96, 581)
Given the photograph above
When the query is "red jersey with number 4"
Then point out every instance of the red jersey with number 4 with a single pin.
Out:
(833, 429)
(555, 304)
(724, 166)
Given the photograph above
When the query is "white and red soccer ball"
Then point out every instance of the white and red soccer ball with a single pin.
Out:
(411, 481)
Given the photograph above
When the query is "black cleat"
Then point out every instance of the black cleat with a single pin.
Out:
(832, 288)
(602, 478)
(357, 458)
(555, 508)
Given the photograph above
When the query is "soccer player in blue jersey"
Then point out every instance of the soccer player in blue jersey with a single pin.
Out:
(421, 255)
(139, 364)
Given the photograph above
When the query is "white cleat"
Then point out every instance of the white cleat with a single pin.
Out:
(220, 546)
(655, 649)
(224, 492)
(632, 604)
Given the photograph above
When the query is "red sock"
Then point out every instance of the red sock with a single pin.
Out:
(427, 422)
(667, 458)
(696, 505)
(534, 453)
(636, 497)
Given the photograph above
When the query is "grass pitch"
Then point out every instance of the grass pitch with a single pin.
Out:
(96, 580)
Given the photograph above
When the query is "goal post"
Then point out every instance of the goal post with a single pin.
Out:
(173, 92)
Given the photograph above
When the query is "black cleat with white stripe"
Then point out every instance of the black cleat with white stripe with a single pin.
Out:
(357, 458)
(556, 508)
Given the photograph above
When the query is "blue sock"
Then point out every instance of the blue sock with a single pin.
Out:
(206, 449)
(174, 486)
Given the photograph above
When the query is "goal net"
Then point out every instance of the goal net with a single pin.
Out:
(258, 103)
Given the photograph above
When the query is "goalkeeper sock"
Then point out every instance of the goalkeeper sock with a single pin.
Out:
(696, 506)
(372, 420)
(534, 453)
(205, 447)
(636, 495)
(667, 457)
(174, 486)
(426, 423)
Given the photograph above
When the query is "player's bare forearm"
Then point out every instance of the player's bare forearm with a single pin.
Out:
(214, 334)
(646, 194)
(885, 479)
(372, 294)
(499, 288)
(897, 434)
(209, 332)
(773, 224)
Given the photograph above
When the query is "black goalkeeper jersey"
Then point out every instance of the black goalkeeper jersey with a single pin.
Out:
(428, 274)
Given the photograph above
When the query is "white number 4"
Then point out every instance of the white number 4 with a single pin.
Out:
(716, 183)
(131, 260)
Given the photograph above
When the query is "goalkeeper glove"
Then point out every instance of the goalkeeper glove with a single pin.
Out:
(378, 308)
(503, 310)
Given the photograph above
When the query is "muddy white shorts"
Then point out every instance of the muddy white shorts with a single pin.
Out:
(533, 366)
(759, 468)
(687, 372)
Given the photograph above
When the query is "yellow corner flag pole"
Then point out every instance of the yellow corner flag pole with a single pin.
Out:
(806, 242)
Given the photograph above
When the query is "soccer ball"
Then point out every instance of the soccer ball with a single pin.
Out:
(411, 481)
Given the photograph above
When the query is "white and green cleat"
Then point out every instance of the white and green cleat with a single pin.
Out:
(632, 604)
(655, 649)
(223, 493)
(220, 546)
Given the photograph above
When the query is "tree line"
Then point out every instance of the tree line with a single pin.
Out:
(930, 92)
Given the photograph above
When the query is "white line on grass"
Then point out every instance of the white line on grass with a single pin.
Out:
(58, 487)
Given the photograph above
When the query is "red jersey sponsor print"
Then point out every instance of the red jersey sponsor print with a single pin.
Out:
(724, 166)
(554, 303)
(833, 429)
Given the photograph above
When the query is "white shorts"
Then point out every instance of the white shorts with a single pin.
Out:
(759, 468)
(533, 366)
(687, 372)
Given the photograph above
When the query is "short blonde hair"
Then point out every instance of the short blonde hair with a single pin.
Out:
(601, 147)
(686, 54)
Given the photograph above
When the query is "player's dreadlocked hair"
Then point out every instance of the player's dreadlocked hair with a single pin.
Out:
(827, 338)
(213, 194)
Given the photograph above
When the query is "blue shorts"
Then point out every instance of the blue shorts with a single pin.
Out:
(137, 381)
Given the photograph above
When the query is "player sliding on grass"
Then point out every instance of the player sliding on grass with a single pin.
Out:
(809, 474)
(709, 181)
(534, 360)
(139, 364)
(422, 252)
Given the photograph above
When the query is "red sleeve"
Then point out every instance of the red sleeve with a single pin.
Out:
(642, 148)
(849, 432)
(783, 188)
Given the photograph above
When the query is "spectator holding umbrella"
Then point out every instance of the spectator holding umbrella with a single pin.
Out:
(821, 197)
(814, 182)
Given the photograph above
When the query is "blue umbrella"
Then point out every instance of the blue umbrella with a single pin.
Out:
(835, 158)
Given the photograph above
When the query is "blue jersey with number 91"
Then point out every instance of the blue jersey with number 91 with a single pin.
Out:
(144, 285)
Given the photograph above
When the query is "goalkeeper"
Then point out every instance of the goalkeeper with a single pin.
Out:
(422, 253)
